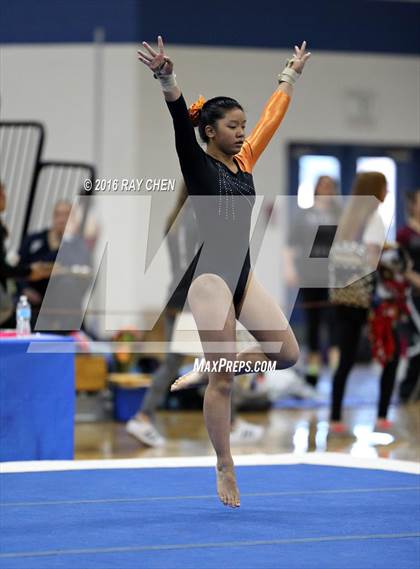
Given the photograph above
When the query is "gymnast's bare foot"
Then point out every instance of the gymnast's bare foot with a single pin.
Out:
(189, 380)
(226, 485)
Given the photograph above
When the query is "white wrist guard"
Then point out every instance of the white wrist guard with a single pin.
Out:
(167, 82)
(288, 75)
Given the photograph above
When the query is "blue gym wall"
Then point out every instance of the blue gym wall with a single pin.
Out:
(344, 25)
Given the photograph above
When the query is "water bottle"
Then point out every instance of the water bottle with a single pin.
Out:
(23, 316)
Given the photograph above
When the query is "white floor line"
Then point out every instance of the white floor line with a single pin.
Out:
(206, 497)
(211, 545)
(324, 459)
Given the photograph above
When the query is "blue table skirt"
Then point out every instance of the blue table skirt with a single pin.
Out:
(37, 399)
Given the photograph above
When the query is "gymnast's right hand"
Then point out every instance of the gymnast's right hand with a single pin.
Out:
(158, 62)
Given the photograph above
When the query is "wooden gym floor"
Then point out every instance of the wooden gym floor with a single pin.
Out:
(287, 430)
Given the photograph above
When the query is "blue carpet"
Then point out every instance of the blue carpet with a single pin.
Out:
(294, 516)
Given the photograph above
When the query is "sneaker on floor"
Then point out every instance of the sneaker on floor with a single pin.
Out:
(145, 432)
(384, 426)
(339, 429)
(245, 433)
(312, 379)
(300, 389)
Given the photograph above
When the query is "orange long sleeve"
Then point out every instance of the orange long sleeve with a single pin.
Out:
(270, 120)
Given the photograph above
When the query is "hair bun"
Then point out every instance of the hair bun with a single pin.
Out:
(195, 110)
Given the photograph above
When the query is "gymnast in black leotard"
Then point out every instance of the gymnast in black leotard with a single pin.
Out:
(223, 198)
(219, 181)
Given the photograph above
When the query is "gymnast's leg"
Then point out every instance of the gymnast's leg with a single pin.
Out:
(261, 315)
(210, 301)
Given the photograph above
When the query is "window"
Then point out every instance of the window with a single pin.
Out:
(388, 168)
(311, 167)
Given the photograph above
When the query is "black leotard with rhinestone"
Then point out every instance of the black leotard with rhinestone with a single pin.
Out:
(223, 200)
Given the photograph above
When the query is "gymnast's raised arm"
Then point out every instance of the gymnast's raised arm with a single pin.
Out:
(189, 151)
(274, 110)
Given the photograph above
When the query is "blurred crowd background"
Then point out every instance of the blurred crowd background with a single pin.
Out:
(79, 114)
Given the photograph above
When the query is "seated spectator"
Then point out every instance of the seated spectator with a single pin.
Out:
(69, 280)
(31, 272)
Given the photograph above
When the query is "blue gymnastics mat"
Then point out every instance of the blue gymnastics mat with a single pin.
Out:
(291, 516)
